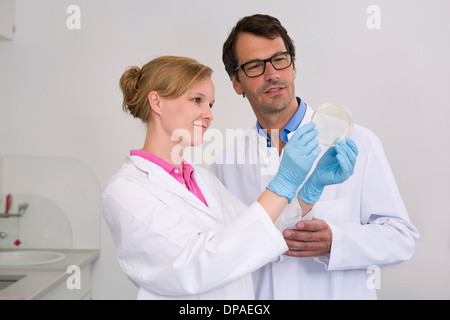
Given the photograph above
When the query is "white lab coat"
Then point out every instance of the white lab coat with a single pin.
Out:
(172, 246)
(369, 222)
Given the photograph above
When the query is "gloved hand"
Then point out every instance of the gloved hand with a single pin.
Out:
(298, 157)
(335, 166)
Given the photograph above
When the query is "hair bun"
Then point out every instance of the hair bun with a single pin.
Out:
(132, 75)
(129, 83)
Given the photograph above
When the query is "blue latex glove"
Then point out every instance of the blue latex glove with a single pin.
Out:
(299, 155)
(335, 166)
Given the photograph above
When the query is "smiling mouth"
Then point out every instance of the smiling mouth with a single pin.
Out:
(274, 90)
(204, 127)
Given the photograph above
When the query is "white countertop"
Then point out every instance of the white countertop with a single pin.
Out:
(39, 280)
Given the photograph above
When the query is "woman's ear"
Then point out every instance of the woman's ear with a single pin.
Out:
(155, 102)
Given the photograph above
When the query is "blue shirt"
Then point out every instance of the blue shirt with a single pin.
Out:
(292, 125)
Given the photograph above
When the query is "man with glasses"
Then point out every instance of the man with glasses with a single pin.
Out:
(355, 228)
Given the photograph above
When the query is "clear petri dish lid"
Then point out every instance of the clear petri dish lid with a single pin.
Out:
(334, 123)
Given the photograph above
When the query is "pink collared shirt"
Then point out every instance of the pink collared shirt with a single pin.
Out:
(185, 179)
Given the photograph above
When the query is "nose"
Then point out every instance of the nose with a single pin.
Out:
(207, 114)
(271, 74)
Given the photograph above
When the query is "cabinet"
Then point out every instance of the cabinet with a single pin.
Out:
(49, 282)
(61, 291)
(6, 20)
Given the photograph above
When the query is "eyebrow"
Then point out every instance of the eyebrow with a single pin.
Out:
(255, 60)
(195, 93)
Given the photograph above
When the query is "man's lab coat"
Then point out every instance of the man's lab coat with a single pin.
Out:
(369, 222)
(172, 246)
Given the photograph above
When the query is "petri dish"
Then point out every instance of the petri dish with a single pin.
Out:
(334, 123)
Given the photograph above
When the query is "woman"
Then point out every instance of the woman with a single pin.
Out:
(179, 232)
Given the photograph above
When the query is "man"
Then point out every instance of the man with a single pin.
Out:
(355, 227)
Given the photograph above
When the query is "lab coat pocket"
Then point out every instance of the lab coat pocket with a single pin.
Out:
(332, 210)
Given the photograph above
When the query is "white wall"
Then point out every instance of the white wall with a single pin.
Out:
(59, 95)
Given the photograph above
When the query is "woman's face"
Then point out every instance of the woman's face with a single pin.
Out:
(187, 117)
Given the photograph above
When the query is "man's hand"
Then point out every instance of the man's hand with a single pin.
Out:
(312, 238)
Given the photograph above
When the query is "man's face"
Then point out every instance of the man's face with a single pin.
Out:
(274, 90)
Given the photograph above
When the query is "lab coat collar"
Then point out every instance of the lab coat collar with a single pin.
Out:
(162, 179)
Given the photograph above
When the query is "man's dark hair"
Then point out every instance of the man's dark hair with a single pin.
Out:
(260, 25)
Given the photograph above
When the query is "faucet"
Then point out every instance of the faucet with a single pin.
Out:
(3, 234)
(22, 208)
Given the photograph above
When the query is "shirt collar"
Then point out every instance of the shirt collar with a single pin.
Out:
(292, 125)
(169, 168)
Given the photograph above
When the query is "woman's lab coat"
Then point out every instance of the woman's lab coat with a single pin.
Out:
(369, 222)
(172, 246)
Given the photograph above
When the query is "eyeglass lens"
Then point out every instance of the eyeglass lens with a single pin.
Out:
(256, 68)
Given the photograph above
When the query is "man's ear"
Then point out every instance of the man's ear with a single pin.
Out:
(237, 85)
(155, 102)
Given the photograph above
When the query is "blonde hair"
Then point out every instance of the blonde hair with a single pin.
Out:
(169, 76)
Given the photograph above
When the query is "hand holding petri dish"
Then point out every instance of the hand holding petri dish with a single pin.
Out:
(334, 123)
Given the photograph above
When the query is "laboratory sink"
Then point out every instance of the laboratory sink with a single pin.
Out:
(29, 257)
(7, 280)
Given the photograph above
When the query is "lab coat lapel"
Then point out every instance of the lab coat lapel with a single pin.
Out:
(267, 158)
(204, 183)
(308, 116)
(164, 180)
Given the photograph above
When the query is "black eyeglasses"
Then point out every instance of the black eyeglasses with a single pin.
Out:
(256, 68)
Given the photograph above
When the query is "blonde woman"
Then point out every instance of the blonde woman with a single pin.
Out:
(179, 232)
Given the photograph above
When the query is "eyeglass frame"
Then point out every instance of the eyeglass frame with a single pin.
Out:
(264, 64)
